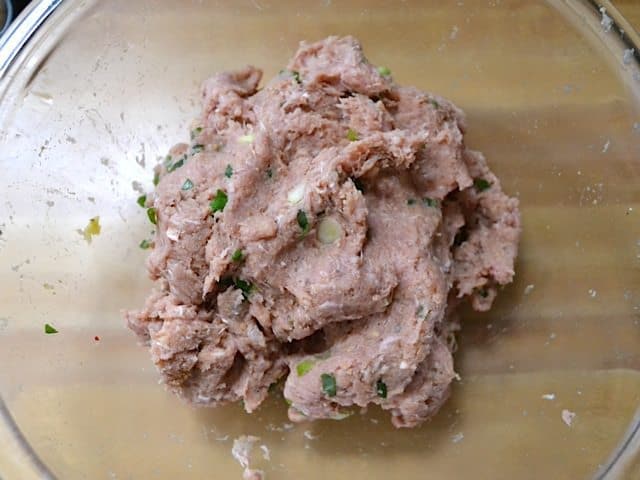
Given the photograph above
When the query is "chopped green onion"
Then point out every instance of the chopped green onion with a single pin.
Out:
(411, 201)
(197, 148)
(384, 71)
(430, 202)
(352, 135)
(177, 165)
(328, 384)
(153, 216)
(142, 199)
(187, 185)
(329, 230)
(303, 222)
(195, 132)
(294, 74)
(381, 389)
(145, 244)
(92, 228)
(228, 172)
(245, 138)
(49, 329)
(434, 103)
(237, 256)
(481, 184)
(304, 367)
(245, 286)
(219, 202)
(167, 160)
(156, 179)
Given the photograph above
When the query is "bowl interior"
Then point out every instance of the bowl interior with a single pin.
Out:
(106, 88)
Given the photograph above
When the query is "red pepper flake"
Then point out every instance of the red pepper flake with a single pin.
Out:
(96, 338)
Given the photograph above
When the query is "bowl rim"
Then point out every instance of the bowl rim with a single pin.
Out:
(16, 37)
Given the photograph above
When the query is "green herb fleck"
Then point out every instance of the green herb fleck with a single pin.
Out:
(269, 173)
(434, 103)
(483, 292)
(49, 329)
(219, 202)
(195, 132)
(352, 135)
(156, 179)
(294, 74)
(145, 244)
(175, 166)
(411, 201)
(153, 216)
(228, 172)
(384, 71)
(304, 367)
(481, 184)
(303, 222)
(245, 286)
(328, 384)
(187, 185)
(288, 402)
(381, 389)
(237, 256)
(197, 148)
(142, 199)
(430, 202)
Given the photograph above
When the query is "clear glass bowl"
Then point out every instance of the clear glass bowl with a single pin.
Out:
(92, 93)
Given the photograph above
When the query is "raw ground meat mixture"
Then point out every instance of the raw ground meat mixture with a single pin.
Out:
(322, 230)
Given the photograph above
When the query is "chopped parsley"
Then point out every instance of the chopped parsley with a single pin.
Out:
(381, 389)
(246, 287)
(237, 256)
(303, 222)
(228, 172)
(481, 184)
(434, 103)
(352, 135)
(430, 202)
(145, 244)
(142, 199)
(304, 367)
(156, 179)
(197, 148)
(49, 329)
(329, 387)
(187, 185)
(219, 201)
(384, 71)
(195, 132)
(153, 216)
(411, 201)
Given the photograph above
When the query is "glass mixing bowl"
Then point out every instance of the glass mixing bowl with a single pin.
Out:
(92, 93)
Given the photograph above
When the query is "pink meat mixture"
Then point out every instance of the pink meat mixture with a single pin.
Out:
(322, 230)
